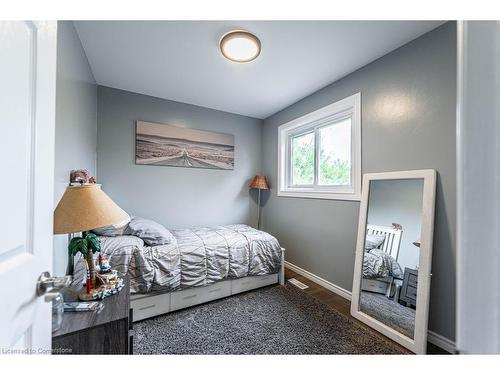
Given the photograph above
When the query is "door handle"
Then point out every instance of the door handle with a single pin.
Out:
(49, 286)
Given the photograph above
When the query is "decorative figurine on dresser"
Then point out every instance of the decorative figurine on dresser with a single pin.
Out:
(82, 208)
(99, 284)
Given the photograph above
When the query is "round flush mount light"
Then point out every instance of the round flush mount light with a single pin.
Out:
(240, 46)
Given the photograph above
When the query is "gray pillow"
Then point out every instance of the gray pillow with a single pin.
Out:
(373, 241)
(151, 232)
(113, 230)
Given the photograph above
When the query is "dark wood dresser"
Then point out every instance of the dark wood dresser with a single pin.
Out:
(90, 332)
(408, 293)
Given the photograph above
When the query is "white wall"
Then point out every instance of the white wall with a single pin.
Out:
(76, 121)
(478, 167)
(399, 201)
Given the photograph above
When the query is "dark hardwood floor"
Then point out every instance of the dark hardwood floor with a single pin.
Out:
(342, 305)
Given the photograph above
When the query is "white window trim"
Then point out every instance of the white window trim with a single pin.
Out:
(350, 105)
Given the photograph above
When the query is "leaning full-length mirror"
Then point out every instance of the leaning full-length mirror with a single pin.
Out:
(393, 256)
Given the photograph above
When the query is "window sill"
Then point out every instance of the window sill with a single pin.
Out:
(320, 195)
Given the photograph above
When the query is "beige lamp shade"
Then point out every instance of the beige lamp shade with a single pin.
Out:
(259, 182)
(86, 207)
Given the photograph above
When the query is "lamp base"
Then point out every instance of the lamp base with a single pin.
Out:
(258, 212)
(70, 268)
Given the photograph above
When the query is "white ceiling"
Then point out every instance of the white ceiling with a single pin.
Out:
(180, 60)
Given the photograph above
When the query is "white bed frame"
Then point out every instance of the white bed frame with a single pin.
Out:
(390, 246)
(149, 305)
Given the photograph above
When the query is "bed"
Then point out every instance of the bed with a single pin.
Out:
(199, 265)
(380, 266)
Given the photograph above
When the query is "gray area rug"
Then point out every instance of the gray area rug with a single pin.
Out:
(389, 312)
(272, 320)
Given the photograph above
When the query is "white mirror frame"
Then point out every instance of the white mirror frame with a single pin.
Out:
(419, 343)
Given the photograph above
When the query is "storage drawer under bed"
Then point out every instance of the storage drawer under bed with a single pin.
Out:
(147, 306)
(373, 285)
(195, 296)
(252, 282)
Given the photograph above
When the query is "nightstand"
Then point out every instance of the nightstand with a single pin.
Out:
(90, 332)
(408, 294)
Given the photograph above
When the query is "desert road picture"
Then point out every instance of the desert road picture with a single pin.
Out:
(168, 145)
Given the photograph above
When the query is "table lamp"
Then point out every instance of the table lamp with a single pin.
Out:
(82, 208)
(259, 182)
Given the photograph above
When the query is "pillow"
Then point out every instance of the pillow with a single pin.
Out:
(151, 232)
(113, 230)
(373, 241)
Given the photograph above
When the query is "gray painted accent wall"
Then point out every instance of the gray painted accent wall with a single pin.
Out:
(408, 122)
(76, 121)
(176, 197)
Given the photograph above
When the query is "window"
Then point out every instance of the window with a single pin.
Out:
(320, 153)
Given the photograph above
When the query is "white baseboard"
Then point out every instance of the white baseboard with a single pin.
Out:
(441, 341)
(434, 338)
(320, 281)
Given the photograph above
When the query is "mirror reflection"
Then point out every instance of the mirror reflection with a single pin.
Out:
(391, 253)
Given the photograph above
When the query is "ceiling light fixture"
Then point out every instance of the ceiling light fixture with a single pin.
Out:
(240, 46)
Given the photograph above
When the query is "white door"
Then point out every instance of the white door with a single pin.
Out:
(27, 118)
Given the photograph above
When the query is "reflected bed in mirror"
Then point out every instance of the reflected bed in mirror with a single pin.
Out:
(394, 246)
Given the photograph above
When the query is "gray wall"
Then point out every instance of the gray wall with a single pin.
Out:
(176, 197)
(408, 122)
(76, 121)
(399, 201)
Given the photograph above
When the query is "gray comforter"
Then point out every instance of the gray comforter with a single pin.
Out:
(197, 257)
(378, 264)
